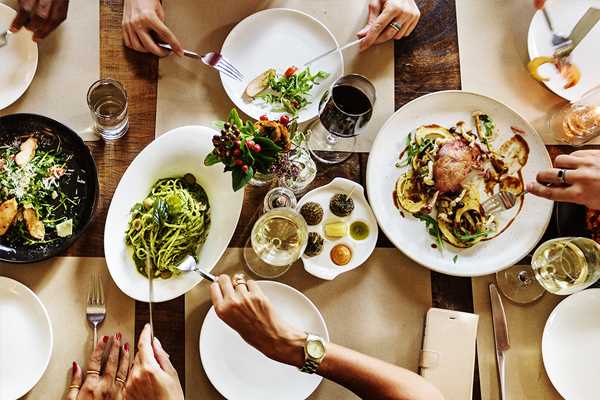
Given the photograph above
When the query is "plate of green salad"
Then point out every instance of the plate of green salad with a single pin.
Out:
(271, 47)
(48, 187)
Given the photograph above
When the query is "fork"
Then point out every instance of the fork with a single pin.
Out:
(501, 201)
(557, 40)
(96, 309)
(4, 38)
(212, 59)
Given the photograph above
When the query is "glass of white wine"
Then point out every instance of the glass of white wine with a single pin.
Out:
(278, 240)
(579, 122)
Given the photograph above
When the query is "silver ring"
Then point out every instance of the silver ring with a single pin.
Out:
(120, 380)
(562, 176)
(396, 26)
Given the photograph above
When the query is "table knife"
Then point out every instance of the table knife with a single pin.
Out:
(344, 47)
(150, 275)
(581, 29)
(500, 337)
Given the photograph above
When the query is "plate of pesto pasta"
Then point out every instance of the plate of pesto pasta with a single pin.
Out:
(169, 206)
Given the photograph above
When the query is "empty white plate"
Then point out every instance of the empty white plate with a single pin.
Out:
(571, 345)
(25, 339)
(279, 38)
(240, 372)
(19, 60)
(565, 14)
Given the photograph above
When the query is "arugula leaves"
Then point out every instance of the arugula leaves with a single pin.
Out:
(433, 228)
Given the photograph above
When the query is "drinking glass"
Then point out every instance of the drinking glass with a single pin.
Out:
(107, 100)
(278, 240)
(344, 112)
(579, 122)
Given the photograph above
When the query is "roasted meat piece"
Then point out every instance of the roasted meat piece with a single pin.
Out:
(34, 225)
(8, 211)
(27, 152)
(452, 165)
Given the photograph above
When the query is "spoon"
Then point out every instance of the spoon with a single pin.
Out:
(189, 265)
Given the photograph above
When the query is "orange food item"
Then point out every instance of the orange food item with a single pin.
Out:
(569, 71)
(341, 254)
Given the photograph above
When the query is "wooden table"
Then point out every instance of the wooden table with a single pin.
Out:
(427, 62)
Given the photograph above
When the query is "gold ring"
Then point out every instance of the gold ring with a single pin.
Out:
(396, 26)
(92, 372)
(238, 282)
(122, 381)
(74, 387)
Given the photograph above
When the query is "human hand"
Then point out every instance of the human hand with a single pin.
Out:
(382, 13)
(40, 16)
(248, 311)
(141, 19)
(152, 374)
(109, 384)
(582, 177)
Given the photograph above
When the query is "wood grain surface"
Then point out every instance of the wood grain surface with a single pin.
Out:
(426, 62)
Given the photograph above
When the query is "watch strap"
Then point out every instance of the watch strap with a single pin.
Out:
(310, 366)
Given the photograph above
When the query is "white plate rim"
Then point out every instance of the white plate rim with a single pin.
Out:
(548, 326)
(248, 19)
(370, 193)
(261, 283)
(38, 301)
(24, 88)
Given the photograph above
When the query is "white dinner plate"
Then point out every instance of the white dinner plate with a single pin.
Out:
(409, 234)
(175, 153)
(19, 60)
(25, 339)
(571, 345)
(240, 372)
(321, 266)
(586, 56)
(279, 38)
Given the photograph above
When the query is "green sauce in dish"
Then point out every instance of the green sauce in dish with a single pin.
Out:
(359, 230)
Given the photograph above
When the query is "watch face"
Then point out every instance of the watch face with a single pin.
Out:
(315, 349)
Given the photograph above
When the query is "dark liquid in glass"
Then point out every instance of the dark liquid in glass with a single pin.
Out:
(346, 111)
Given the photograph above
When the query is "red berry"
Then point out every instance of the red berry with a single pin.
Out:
(257, 148)
(250, 143)
(290, 71)
(238, 162)
(237, 144)
(264, 117)
(237, 153)
(244, 168)
(284, 120)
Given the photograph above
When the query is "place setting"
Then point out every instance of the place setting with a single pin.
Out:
(261, 232)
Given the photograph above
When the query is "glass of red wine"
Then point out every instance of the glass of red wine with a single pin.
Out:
(344, 112)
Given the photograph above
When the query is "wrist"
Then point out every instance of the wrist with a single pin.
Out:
(289, 348)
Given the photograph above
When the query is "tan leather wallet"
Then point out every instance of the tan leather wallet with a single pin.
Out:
(448, 356)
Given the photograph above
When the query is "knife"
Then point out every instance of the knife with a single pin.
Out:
(150, 275)
(500, 336)
(581, 29)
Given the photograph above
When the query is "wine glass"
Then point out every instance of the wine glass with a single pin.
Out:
(344, 112)
(579, 122)
(278, 239)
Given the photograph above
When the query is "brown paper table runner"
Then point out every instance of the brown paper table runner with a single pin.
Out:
(62, 285)
(526, 377)
(389, 296)
(492, 38)
(68, 63)
(191, 94)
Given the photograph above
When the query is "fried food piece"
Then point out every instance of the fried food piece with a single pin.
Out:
(27, 152)
(259, 83)
(8, 211)
(34, 225)
(452, 165)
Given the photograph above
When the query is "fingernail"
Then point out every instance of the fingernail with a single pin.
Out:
(126, 347)
(118, 336)
(74, 368)
(105, 339)
(157, 342)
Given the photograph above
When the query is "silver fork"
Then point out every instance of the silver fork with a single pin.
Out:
(4, 38)
(212, 59)
(557, 40)
(96, 309)
(501, 201)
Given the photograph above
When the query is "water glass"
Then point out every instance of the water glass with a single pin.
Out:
(107, 100)
(579, 122)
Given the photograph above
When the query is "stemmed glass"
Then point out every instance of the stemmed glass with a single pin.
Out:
(344, 112)
(579, 122)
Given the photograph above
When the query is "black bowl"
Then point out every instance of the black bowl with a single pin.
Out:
(85, 184)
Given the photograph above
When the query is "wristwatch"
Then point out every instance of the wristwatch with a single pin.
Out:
(314, 352)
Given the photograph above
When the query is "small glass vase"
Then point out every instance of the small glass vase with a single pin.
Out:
(305, 171)
(259, 179)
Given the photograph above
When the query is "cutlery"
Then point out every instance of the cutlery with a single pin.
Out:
(4, 38)
(500, 336)
(557, 39)
(150, 275)
(95, 310)
(189, 265)
(581, 29)
(501, 201)
(329, 52)
(212, 59)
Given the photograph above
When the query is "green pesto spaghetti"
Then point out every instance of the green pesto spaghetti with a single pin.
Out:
(171, 223)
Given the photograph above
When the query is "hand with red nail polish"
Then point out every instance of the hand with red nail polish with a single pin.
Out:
(40, 16)
(106, 372)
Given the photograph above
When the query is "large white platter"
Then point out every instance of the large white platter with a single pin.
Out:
(25, 339)
(571, 345)
(19, 60)
(586, 56)
(240, 372)
(175, 153)
(279, 38)
(409, 234)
